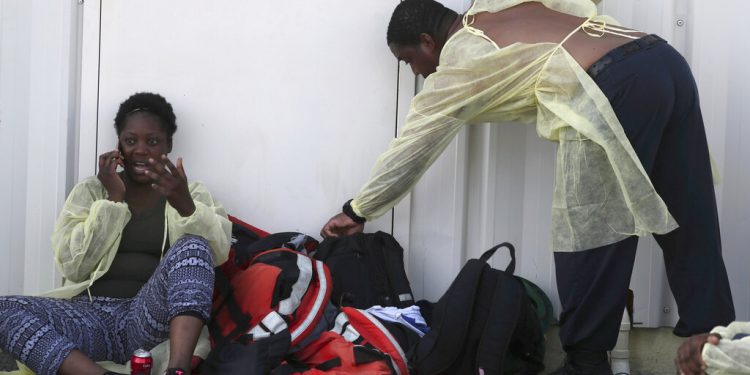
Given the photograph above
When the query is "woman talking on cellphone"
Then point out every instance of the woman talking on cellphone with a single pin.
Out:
(136, 249)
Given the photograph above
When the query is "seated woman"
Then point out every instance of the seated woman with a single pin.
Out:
(137, 250)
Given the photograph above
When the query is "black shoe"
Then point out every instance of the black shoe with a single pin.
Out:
(585, 363)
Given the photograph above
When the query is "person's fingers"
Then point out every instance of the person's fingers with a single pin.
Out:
(685, 357)
(111, 162)
(157, 166)
(331, 229)
(713, 339)
(181, 168)
(103, 162)
(106, 158)
(678, 365)
(114, 161)
(155, 177)
(119, 159)
(159, 188)
(327, 231)
(168, 166)
(693, 364)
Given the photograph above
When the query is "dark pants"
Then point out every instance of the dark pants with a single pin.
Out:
(653, 93)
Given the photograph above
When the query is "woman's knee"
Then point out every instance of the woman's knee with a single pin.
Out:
(14, 303)
(190, 246)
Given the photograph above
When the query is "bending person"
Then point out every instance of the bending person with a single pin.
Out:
(137, 250)
(632, 155)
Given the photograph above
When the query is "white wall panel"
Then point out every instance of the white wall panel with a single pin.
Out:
(281, 108)
(720, 62)
(15, 49)
(438, 219)
(51, 120)
(37, 118)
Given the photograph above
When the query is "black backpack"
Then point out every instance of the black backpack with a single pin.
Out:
(247, 358)
(367, 270)
(484, 324)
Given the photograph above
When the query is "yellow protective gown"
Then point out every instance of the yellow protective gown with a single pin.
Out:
(87, 232)
(87, 236)
(602, 194)
(732, 355)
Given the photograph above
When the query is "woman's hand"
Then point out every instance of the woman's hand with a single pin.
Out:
(108, 176)
(341, 225)
(689, 360)
(171, 181)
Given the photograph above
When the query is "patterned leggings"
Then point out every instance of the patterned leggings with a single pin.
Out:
(41, 332)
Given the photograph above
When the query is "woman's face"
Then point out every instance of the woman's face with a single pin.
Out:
(142, 138)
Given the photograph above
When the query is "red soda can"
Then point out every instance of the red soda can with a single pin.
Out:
(141, 362)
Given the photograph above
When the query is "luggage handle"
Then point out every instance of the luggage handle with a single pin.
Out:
(512, 265)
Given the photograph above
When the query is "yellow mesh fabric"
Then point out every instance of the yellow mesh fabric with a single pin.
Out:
(730, 357)
(602, 194)
(87, 232)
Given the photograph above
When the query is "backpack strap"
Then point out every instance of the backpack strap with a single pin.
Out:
(272, 324)
(239, 318)
(372, 247)
(512, 250)
(393, 266)
(326, 248)
(498, 331)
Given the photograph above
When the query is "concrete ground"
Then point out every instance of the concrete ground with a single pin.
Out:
(652, 352)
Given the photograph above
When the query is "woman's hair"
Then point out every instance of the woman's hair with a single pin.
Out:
(414, 17)
(151, 103)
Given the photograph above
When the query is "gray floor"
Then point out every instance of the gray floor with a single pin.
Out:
(652, 351)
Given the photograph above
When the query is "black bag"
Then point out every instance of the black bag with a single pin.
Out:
(367, 270)
(248, 241)
(484, 323)
(247, 358)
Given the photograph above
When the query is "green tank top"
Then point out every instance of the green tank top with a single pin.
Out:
(137, 256)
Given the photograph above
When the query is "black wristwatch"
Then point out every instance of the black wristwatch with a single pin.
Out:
(348, 211)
